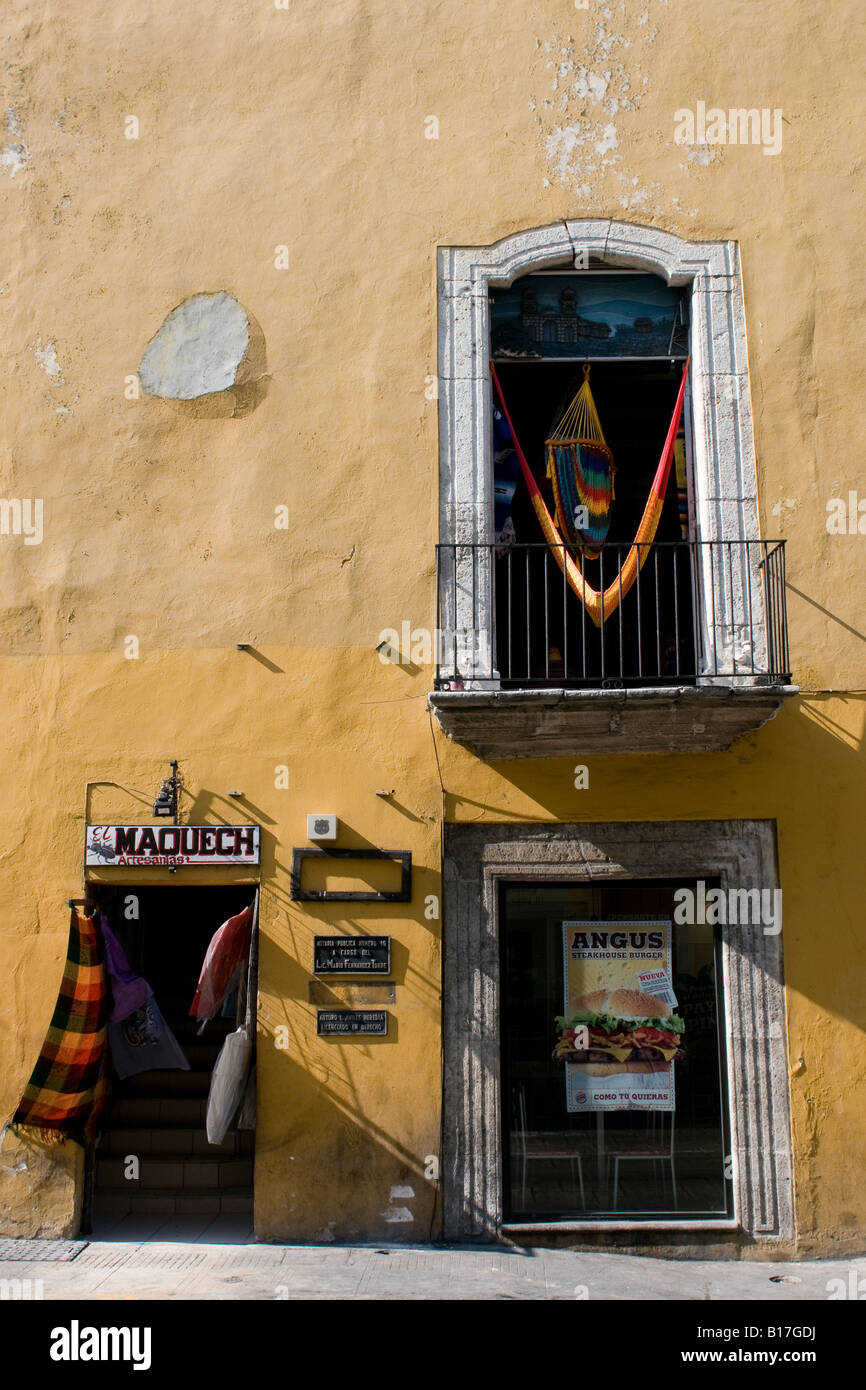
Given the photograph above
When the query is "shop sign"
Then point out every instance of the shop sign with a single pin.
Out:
(345, 1021)
(157, 846)
(620, 1034)
(343, 955)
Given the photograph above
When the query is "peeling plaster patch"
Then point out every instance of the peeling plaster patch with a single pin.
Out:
(208, 359)
(701, 154)
(198, 350)
(595, 80)
(401, 1193)
(398, 1214)
(635, 198)
(608, 140)
(14, 155)
(46, 358)
(597, 84)
(13, 158)
(582, 148)
(786, 504)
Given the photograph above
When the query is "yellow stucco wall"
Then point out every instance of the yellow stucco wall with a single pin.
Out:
(261, 127)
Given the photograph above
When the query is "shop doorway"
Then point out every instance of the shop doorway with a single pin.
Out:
(629, 1119)
(153, 1170)
(752, 1166)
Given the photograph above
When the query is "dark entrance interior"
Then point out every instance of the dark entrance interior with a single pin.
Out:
(543, 633)
(184, 1182)
(608, 1163)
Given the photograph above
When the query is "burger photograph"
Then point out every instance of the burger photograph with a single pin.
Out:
(620, 1030)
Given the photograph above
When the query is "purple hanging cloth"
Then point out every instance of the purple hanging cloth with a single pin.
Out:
(128, 990)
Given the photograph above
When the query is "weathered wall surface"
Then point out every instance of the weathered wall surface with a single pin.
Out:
(43, 1189)
(288, 164)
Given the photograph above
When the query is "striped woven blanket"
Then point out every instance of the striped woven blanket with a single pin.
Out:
(68, 1087)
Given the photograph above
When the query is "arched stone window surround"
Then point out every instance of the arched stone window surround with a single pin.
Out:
(724, 481)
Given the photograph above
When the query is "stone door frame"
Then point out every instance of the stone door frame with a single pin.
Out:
(740, 854)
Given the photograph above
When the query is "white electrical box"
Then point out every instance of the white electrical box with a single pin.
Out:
(321, 827)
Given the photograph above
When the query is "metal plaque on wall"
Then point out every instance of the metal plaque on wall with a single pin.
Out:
(341, 955)
(352, 1021)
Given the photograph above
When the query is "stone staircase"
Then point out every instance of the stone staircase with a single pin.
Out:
(159, 1117)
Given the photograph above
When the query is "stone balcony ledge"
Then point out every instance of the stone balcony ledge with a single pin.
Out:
(552, 723)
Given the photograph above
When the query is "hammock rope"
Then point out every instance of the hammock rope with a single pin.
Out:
(581, 471)
(600, 604)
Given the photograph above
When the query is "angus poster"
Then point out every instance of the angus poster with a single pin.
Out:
(620, 1033)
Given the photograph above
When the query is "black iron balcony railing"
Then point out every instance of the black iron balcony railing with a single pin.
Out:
(697, 612)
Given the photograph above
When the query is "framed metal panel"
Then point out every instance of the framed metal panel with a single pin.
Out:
(305, 895)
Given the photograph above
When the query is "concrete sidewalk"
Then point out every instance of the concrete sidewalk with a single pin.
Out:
(200, 1269)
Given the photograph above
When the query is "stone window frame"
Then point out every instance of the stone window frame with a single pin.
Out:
(741, 854)
(724, 486)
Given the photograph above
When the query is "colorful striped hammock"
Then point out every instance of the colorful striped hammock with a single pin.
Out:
(68, 1086)
(599, 605)
(581, 470)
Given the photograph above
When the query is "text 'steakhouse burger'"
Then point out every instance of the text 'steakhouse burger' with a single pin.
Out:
(626, 1031)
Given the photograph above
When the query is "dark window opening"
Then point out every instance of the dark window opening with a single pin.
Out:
(543, 632)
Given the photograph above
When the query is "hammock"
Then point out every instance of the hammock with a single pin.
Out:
(581, 469)
(600, 605)
(68, 1089)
